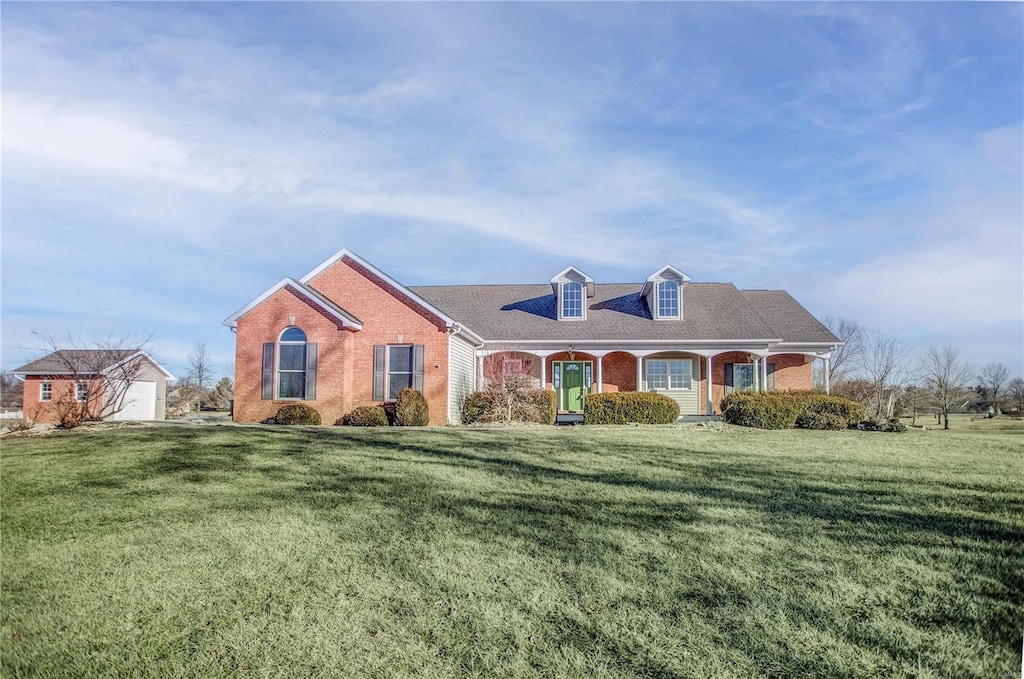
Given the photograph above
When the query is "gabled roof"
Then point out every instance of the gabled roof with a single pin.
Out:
(347, 320)
(781, 312)
(660, 274)
(714, 311)
(85, 362)
(408, 292)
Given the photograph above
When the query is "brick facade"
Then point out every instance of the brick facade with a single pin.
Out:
(62, 391)
(345, 357)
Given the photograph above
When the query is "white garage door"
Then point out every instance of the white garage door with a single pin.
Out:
(139, 402)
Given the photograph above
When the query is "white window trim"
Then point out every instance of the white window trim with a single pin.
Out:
(561, 301)
(78, 385)
(45, 397)
(277, 366)
(387, 368)
(668, 374)
(657, 301)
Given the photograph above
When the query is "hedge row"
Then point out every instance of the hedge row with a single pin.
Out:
(410, 410)
(532, 405)
(625, 407)
(789, 409)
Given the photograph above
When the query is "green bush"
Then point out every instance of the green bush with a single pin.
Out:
(788, 409)
(366, 416)
(533, 405)
(625, 407)
(851, 412)
(297, 413)
(763, 410)
(546, 402)
(828, 421)
(411, 409)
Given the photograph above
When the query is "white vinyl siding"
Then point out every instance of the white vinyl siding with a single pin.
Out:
(461, 376)
(677, 378)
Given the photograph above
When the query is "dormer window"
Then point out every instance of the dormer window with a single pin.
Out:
(668, 299)
(663, 291)
(572, 300)
(572, 288)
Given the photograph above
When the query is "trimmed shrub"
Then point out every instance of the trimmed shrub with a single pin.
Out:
(411, 409)
(625, 407)
(763, 410)
(297, 413)
(851, 412)
(828, 421)
(788, 409)
(546, 403)
(366, 416)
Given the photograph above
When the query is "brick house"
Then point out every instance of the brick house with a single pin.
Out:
(116, 384)
(347, 334)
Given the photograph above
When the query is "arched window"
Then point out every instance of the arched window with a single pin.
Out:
(572, 300)
(291, 364)
(668, 299)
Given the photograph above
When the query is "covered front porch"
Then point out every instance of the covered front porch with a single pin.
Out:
(696, 376)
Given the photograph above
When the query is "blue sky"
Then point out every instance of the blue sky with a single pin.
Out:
(165, 163)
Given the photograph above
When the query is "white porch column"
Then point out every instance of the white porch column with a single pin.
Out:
(757, 375)
(480, 384)
(764, 374)
(639, 372)
(828, 374)
(600, 360)
(543, 371)
(707, 361)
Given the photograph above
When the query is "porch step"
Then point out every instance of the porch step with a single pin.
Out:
(569, 418)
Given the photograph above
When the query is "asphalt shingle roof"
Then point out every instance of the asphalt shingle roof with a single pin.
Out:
(77, 361)
(617, 312)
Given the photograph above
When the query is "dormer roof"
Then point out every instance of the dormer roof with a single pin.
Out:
(571, 273)
(667, 272)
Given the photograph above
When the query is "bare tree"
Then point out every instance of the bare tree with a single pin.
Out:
(1016, 390)
(10, 390)
(200, 365)
(992, 379)
(106, 367)
(883, 360)
(946, 377)
(846, 356)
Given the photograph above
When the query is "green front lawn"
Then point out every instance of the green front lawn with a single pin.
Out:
(553, 552)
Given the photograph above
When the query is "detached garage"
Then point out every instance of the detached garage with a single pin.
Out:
(109, 384)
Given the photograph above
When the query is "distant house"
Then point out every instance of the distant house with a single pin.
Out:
(347, 334)
(117, 384)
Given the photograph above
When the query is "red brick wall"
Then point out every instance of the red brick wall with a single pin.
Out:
(618, 372)
(791, 373)
(345, 358)
(62, 389)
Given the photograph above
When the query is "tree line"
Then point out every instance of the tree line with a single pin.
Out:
(880, 370)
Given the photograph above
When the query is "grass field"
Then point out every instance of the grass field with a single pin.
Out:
(533, 552)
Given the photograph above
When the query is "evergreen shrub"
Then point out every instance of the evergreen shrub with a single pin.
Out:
(625, 407)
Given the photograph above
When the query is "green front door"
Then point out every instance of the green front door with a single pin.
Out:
(573, 389)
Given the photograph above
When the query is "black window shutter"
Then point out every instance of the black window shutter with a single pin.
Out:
(268, 371)
(378, 372)
(771, 377)
(417, 367)
(728, 377)
(311, 371)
